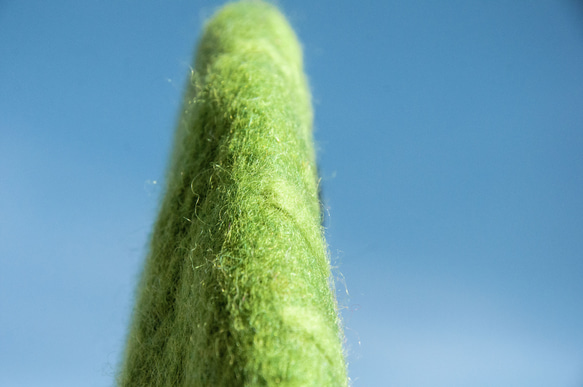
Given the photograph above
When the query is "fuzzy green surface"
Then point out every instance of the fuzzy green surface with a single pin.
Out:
(236, 290)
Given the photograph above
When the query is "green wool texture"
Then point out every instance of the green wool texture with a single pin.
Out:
(237, 289)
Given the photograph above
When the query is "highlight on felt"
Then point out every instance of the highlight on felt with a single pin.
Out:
(236, 289)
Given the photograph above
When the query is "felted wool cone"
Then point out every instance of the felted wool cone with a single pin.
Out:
(236, 290)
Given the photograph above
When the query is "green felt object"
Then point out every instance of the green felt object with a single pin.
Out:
(236, 290)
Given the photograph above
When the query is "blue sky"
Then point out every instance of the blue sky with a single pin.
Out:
(450, 143)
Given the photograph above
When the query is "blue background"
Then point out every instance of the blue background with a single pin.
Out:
(450, 143)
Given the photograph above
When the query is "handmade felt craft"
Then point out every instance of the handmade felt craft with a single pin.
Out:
(236, 289)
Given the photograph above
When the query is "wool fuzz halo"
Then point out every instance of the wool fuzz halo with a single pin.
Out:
(236, 290)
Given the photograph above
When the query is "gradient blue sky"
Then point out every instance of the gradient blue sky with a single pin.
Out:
(450, 140)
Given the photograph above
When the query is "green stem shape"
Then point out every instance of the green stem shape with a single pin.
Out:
(236, 290)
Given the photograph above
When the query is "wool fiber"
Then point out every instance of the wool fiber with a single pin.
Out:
(236, 288)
